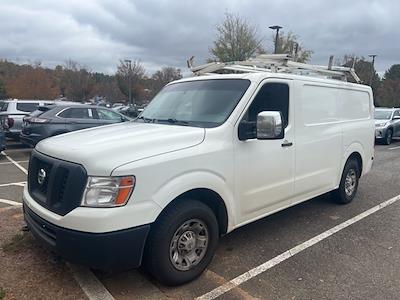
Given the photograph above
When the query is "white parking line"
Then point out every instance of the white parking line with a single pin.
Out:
(10, 202)
(9, 162)
(22, 183)
(289, 253)
(89, 283)
(393, 148)
(19, 150)
(15, 163)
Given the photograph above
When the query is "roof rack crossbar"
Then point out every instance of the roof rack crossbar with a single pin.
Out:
(278, 63)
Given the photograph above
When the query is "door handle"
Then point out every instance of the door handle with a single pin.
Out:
(287, 144)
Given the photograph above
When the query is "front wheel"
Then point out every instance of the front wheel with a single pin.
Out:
(349, 183)
(182, 242)
(388, 137)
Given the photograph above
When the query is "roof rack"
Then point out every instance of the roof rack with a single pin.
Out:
(277, 63)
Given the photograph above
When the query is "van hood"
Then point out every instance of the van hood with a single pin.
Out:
(102, 149)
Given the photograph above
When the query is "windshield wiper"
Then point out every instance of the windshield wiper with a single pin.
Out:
(171, 121)
(147, 120)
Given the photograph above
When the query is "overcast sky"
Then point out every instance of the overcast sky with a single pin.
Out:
(98, 33)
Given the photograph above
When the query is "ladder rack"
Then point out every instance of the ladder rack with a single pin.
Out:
(277, 63)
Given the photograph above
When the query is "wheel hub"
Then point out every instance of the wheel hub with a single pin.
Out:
(189, 244)
(350, 182)
(187, 241)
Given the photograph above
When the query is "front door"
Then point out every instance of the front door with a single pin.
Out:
(396, 124)
(265, 168)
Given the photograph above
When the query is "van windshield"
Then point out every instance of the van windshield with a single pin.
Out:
(383, 114)
(201, 103)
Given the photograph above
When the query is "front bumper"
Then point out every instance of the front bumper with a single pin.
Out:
(122, 249)
(380, 132)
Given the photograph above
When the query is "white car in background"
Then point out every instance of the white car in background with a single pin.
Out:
(12, 113)
(387, 124)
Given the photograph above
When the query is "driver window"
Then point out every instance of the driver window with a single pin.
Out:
(271, 97)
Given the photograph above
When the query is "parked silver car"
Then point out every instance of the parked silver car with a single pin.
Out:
(12, 113)
(387, 124)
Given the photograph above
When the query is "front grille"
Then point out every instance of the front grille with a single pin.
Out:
(55, 184)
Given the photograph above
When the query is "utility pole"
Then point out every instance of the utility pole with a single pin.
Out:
(373, 68)
(276, 27)
(129, 62)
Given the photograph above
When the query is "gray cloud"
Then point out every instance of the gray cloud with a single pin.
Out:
(159, 33)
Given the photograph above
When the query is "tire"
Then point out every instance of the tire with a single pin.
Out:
(351, 174)
(388, 137)
(186, 224)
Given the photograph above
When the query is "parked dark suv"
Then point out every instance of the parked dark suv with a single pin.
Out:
(53, 120)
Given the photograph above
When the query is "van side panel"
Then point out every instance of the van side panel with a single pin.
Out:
(318, 139)
(358, 126)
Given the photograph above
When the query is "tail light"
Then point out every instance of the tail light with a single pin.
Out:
(37, 120)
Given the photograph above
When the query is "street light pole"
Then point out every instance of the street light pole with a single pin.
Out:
(373, 68)
(129, 62)
(276, 27)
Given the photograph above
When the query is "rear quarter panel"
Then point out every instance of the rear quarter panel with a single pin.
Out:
(359, 136)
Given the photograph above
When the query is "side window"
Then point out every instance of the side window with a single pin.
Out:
(271, 97)
(27, 107)
(3, 106)
(77, 113)
(396, 113)
(105, 114)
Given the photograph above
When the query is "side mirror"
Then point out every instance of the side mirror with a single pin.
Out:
(270, 125)
(396, 118)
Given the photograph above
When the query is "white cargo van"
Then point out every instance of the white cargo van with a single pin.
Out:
(208, 155)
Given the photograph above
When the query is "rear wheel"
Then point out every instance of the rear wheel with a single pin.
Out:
(182, 242)
(388, 137)
(349, 182)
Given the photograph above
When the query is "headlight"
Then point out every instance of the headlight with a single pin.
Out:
(380, 124)
(108, 191)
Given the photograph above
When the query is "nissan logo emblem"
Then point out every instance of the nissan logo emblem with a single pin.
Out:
(41, 176)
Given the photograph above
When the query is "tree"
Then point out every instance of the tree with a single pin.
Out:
(32, 82)
(236, 39)
(137, 72)
(162, 77)
(76, 81)
(389, 93)
(287, 43)
(108, 89)
(3, 94)
(364, 70)
(393, 73)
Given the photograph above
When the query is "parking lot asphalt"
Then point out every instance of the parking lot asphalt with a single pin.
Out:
(362, 261)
